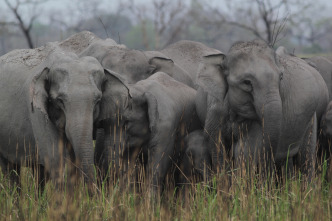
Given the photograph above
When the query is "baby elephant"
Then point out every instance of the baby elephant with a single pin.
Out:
(151, 117)
(196, 162)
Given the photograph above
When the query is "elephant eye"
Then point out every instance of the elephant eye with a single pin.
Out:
(247, 85)
(247, 82)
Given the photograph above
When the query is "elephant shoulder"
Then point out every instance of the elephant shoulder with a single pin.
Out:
(78, 42)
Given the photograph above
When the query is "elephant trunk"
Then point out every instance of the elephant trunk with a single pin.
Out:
(79, 131)
(271, 119)
(213, 136)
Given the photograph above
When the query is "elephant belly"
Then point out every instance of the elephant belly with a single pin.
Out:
(18, 149)
(17, 142)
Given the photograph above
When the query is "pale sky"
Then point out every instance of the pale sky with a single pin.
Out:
(112, 5)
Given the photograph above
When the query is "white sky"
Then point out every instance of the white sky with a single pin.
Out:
(112, 5)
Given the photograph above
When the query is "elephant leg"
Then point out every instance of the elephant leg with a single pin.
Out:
(196, 159)
(11, 171)
(100, 152)
(3, 165)
(159, 160)
(307, 152)
(41, 177)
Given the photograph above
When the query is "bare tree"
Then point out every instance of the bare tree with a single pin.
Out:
(313, 30)
(166, 16)
(25, 27)
(263, 18)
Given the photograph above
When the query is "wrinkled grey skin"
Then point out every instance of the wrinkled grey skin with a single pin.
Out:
(324, 66)
(133, 65)
(276, 98)
(188, 55)
(326, 122)
(203, 64)
(268, 106)
(49, 100)
(162, 63)
(154, 115)
(196, 158)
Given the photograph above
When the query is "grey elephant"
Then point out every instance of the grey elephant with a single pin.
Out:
(188, 55)
(203, 64)
(326, 121)
(133, 65)
(324, 66)
(276, 98)
(150, 117)
(49, 101)
(196, 160)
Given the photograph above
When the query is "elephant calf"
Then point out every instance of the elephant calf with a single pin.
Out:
(152, 117)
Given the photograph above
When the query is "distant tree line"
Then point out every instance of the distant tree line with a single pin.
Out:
(157, 23)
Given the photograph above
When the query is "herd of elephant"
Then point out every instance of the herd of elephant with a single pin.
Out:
(187, 104)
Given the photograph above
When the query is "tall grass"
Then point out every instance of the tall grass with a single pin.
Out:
(234, 196)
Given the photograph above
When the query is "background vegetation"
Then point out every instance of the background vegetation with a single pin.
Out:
(234, 196)
(304, 26)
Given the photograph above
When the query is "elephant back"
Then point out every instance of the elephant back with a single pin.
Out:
(324, 66)
(78, 42)
(189, 54)
(28, 58)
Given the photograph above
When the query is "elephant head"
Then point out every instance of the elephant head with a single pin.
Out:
(253, 78)
(65, 96)
(125, 123)
(133, 65)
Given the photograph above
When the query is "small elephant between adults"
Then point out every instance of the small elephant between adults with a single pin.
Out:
(150, 117)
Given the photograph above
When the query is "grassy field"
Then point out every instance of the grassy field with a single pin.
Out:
(237, 196)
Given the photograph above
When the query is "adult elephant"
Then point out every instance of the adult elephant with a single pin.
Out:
(203, 64)
(150, 117)
(324, 66)
(49, 101)
(265, 104)
(277, 99)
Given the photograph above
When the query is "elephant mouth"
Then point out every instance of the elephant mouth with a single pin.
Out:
(244, 116)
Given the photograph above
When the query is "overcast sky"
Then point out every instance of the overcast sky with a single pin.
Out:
(112, 5)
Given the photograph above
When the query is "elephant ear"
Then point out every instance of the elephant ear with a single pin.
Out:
(116, 95)
(153, 113)
(45, 132)
(38, 91)
(162, 64)
(159, 62)
(210, 76)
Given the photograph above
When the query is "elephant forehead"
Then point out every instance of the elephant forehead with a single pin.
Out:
(78, 68)
(254, 65)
